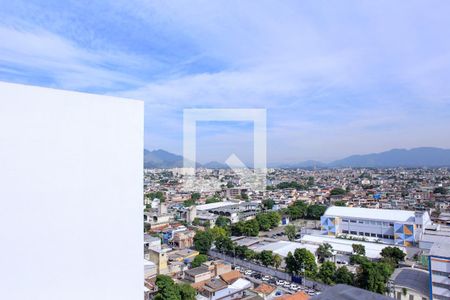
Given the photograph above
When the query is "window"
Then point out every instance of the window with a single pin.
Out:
(411, 297)
(344, 220)
(361, 222)
(367, 234)
(353, 232)
(373, 223)
(399, 295)
(361, 233)
(391, 224)
(385, 236)
(379, 235)
(352, 221)
(373, 235)
(345, 231)
(385, 224)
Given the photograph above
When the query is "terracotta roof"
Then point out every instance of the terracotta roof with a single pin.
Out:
(265, 289)
(296, 296)
(231, 276)
(199, 285)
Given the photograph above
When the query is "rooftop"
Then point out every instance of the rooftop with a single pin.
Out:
(214, 205)
(412, 278)
(371, 213)
(197, 271)
(346, 292)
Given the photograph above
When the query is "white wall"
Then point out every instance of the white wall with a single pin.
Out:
(70, 195)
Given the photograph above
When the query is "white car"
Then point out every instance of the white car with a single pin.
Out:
(286, 284)
(237, 268)
(265, 278)
(293, 287)
(279, 282)
(248, 272)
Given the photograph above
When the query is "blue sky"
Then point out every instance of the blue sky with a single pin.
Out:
(336, 77)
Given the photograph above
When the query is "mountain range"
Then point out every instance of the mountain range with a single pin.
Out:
(415, 157)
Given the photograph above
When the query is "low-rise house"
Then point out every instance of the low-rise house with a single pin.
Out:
(198, 274)
(409, 283)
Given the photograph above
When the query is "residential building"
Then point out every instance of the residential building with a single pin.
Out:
(409, 284)
(439, 268)
(198, 274)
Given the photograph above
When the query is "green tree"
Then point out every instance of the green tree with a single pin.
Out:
(266, 257)
(340, 203)
(263, 221)
(326, 272)
(315, 211)
(374, 276)
(302, 262)
(297, 210)
(224, 244)
(187, 292)
(167, 289)
(324, 251)
(222, 221)
(277, 260)
(359, 249)
(195, 196)
(274, 218)
(196, 222)
(159, 195)
(344, 276)
(337, 191)
(213, 199)
(440, 190)
(393, 254)
(217, 232)
(198, 260)
(189, 202)
(290, 232)
(203, 241)
(268, 204)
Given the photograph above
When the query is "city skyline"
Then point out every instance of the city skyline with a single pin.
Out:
(336, 80)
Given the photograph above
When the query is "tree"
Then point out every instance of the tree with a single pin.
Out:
(196, 222)
(263, 221)
(302, 262)
(198, 260)
(222, 222)
(268, 204)
(217, 232)
(324, 251)
(337, 191)
(195, 196)
(440, 190)
(315, 211)
(266, 257)
(297, 210)
(359, 249)
(393, 254)
(374, 276)
(290, 232)
(213, 199)
(326, 272)
(277, 260)
(203, 241)
(310, 181)
(344, 276)
(158, 195)
(248, 228)
(167, 289)
(339, 203)
(274, 218)
(224, 244)
(189, 202)
(187, 292)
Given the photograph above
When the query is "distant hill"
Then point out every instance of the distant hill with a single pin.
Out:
(416, 157)
(162, 159)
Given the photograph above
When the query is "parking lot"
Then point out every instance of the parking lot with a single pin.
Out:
(284, 285)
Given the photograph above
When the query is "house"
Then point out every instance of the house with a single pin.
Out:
(198, 274)
(409, 283)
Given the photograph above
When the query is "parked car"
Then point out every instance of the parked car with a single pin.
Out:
(265, 278)
(279, 282)
(286, 284)
(248, 272)
(257, 276)
(293, 287)
(237, 268)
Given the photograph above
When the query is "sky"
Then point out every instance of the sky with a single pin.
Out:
(335, 77)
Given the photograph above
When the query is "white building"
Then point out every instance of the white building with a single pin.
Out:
(71, 183)
(399, 227)
(439, 268)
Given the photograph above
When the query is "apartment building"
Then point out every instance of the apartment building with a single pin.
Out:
(439, 269)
